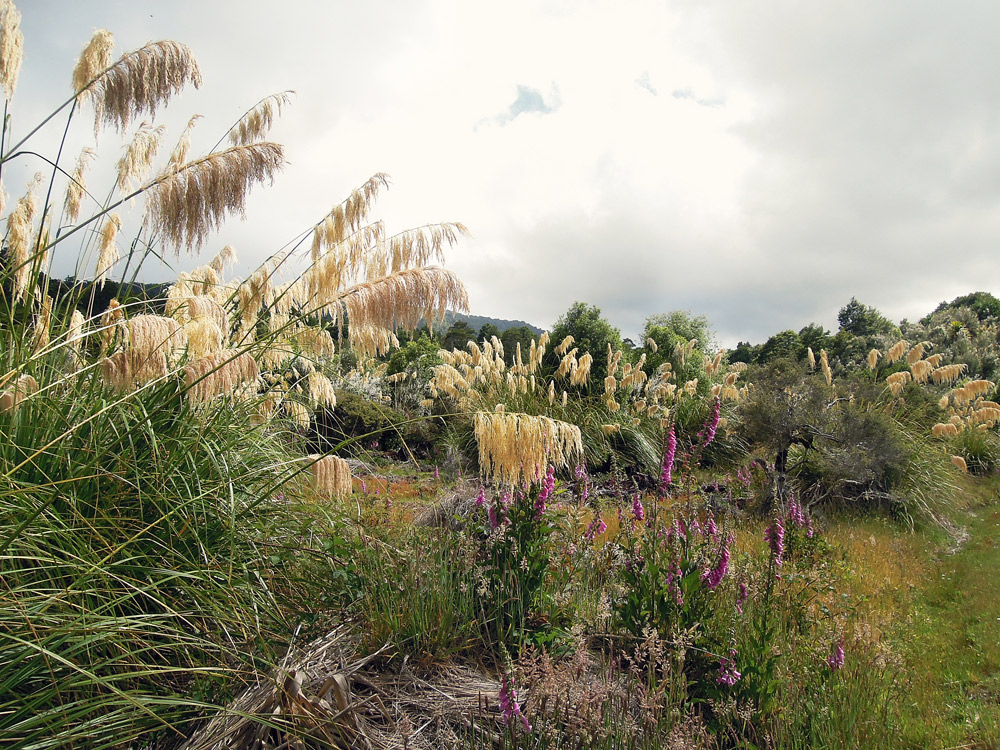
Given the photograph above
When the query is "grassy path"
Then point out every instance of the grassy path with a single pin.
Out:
(951, 641)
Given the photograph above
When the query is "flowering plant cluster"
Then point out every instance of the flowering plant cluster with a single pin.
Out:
(670, 573)
(513, 531)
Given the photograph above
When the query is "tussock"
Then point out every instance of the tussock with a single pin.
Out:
(325, 693)
(321, 393)
(347, 217)
(402, 299)
(873, 356)
(947, 374)
(915, 354)
(945, 429)
(151, 345)
(138, 157)
(20, 232)
(371, 340)
(108, 255)
(201, 307)
(959, 462)
(922, 370)
(180, 153)
(95, 59)
(563, 347)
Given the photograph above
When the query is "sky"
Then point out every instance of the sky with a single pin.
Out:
(757, 163)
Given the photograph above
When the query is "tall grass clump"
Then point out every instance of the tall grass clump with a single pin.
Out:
(152, 455)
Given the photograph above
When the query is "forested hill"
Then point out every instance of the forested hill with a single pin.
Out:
(478, 321)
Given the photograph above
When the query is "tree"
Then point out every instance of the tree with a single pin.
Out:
(784, 344)
(512, 337)
(419, 355)
(456, 337)
(815, 337)
(864, 320)
(590, 332)
(744, 352)
(487, 331)
(686, 326)
(673, 328)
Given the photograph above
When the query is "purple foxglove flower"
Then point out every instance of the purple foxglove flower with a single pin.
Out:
(741, 597)
(836, 659)
(668, 460)
(638, 512)
(727, 670)
(713, 577)
(708, 433)
(481, 498)
(774, 535)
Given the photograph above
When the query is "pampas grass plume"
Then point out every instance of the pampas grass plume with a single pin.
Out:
(11, 47)
(331, 476)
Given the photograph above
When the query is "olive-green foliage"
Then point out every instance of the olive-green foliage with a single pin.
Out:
(457, 336)
(355, 422)
(983, 304)
(419, 355)
(864, 320)
(673, 328)
(784, 344)
(591, 333)
(979, 448)
(512, 337)
(840, 444)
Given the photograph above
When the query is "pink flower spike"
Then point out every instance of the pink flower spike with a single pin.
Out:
(637, 510)
(836, 659)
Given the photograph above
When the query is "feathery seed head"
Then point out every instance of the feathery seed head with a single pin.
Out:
(331, 476)
(896, 351)
(220, 374)
(139, 154)
(255, 124)
(96, 58)
(139, 82)
(515, 448)
(77, 186)
(20, 230)
(108, 255)
(11, 46)
(915, 354)
(23, 387)
(186, 205)
(873, 356)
